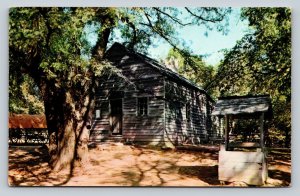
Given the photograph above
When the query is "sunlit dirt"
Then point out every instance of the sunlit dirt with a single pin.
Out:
(115, 164)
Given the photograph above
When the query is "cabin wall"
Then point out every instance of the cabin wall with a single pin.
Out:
(140, 81)
(180, 127)
(217, 129)
(148, 129)
(166, 121)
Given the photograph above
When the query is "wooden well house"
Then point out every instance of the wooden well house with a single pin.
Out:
(243, 157)
(144, 101)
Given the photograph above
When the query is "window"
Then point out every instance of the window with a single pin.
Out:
(97, 113)
(188, 112)
(142, 106)
(176, 110)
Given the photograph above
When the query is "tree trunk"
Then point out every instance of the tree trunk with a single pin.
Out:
(68, 104)
(66, 120)
(101, 44)
(65, 153)
(69, 112)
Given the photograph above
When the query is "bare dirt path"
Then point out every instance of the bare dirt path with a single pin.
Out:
(122, 165)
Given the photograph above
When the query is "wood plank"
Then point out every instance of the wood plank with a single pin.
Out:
(100, 126)
(100, 120)
(137, 130)
(261, 127)
(146, 139)
(226, 132)
(107, 127)
(148, 134)
(141, 119)
(145, 123)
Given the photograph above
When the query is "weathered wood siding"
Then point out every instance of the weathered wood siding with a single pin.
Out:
(217, 130)
(148, 128)
(140, 81)
(167, 94)
(179, 129)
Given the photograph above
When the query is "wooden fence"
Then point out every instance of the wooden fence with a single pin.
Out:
(28, 136)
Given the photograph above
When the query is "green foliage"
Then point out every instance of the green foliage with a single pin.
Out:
(260, 63)
(24, 96)
(50, 44)
(141, 27)
(263, 57)
(44, 45)
(199, 73)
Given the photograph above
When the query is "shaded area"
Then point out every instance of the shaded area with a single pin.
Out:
(28, 136)
(28, 166)
(279, 167)
(208, 174)
(282, 176)
(115, 164)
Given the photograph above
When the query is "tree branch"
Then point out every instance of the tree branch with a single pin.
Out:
(171, 17)
(184, 54)
(134, 37)
(205, 19)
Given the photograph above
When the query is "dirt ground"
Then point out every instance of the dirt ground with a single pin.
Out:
(124, 165)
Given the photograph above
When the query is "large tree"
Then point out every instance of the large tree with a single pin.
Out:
(50, 46)
(260, 63)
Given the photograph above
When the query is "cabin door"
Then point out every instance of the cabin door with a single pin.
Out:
(116, 116)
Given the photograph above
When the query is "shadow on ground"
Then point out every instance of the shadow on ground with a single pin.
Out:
(280, 167)
(28, 166)
(208, 174)
(120, 165)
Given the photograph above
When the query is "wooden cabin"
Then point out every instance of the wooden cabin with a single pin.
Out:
(243, 157)
(144, 101)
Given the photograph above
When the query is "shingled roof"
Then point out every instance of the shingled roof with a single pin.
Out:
(243, 105)
(117, 51)
(27, 121)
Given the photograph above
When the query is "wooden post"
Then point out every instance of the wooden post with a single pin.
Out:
(261, 124)
(226, 132)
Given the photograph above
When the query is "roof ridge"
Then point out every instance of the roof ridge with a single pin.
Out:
(162, 67)
(157, 63)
